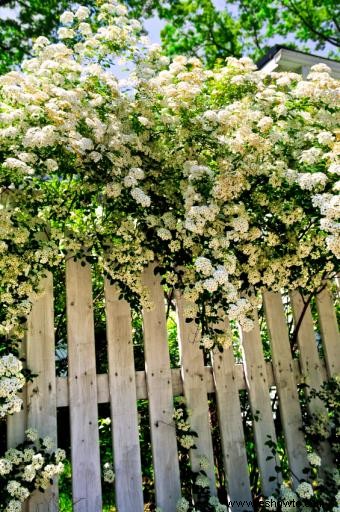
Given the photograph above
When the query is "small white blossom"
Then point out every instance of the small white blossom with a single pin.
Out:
(82, 13)
(310, 156)
(204, 266)
(65, 33)
(305, 490)
(314, 459)
(164, 234)
(187, 441)
(202, 481)
(182, 505)
(207, 342)
(31, 434)
(140, 197)
(67, 17)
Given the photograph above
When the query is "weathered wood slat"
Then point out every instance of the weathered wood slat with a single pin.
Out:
(86, 474)
(231, 428)
(311, 367)
(260, 403)
(122, 388)
(329, 331)
(41, 393)
(103, 395)
(158, 377)
(310, 363)
(286, 384)
(313, 370)
(195, 391)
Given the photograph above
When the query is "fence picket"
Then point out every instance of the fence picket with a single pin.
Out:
(285, 384)
(122, 386)
(86, 474)
(41, 393)
(260, 403)
(310, 363)
(231, 428)
(195, 390)
(83, 390)
(311, 368)
(158, 376)
(329, 331)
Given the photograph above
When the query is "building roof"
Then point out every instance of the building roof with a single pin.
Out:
(286, 59)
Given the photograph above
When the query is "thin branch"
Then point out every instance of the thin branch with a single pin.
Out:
(291, 7)
(169, 299)
(303, 312)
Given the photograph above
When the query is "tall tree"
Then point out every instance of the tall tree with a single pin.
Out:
(22, 22)
(193, 27)
(198, 27)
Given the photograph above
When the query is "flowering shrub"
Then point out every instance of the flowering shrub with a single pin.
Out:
(325, 426)
(317, 496)
(226, 177)
(321, 493)
(30, 466)
(196, 485)
(12, 380)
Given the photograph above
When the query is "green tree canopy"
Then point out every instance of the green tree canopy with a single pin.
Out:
(198, 27)
(31, 18)
(193, 27)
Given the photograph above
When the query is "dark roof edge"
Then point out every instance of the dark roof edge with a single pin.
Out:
(277, 47)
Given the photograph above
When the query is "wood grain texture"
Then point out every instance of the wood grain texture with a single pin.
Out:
(195, 390)
(310, 363)
(123, 398)
(230, 423)
(286, 385)
(103, 395)
(86, 473)
(41, 393)
(260, 403)
(159, 386)
(329, 331)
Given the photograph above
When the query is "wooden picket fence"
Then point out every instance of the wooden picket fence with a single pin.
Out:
(82, 390)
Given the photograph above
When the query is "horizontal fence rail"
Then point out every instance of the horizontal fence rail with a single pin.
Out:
(82, 390)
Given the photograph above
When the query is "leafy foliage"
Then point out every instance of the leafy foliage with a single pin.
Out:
(200, 28)
(226, 178)
(193, 27)
(27, 21)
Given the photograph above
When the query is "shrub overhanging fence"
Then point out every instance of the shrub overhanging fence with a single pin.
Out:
(82, 390)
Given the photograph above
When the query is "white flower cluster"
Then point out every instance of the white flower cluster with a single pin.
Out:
(182, 505)
(314, 459)
(28, 467)
(11, 382)
(187, 441)
(207, 342)
(240, 191)
(218, 507)
(140, 197)
(108, 473)
(305, 490)
(202, 481)
(204, 463)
